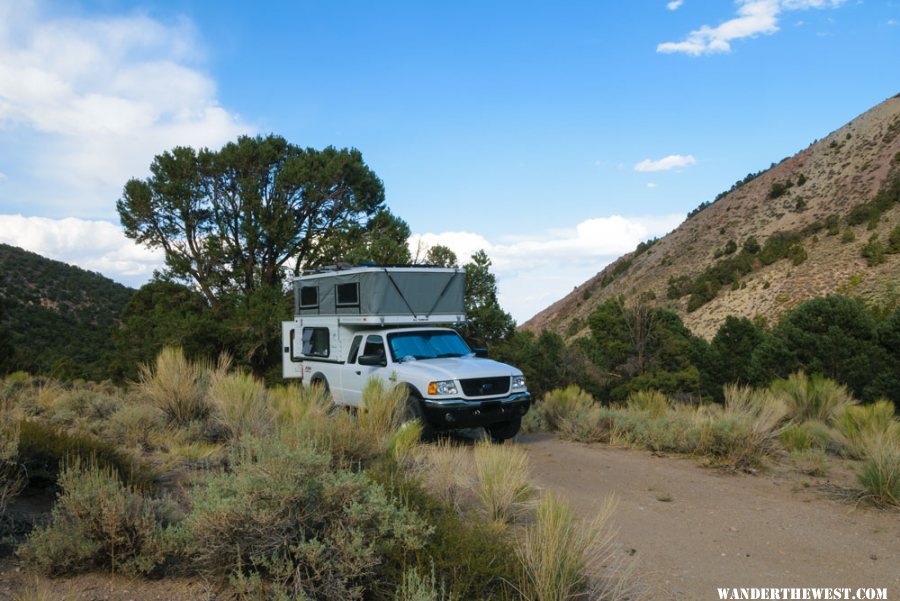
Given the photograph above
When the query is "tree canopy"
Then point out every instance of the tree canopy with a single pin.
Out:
(235, 220)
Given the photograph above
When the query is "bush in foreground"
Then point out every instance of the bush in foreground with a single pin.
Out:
(284, 516)
(98, 522)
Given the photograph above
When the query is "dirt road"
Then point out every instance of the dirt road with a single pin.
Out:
(693, 529)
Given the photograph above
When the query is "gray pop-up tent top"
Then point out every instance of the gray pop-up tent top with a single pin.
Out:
(416, 293)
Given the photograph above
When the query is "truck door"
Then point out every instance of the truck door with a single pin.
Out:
(354, 376)
(291, 363)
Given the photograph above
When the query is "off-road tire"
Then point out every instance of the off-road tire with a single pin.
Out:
(502, 431)
(414, 410)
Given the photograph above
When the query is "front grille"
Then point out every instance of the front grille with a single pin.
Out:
(485, 386)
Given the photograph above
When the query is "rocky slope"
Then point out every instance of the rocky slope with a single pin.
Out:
(817, 196)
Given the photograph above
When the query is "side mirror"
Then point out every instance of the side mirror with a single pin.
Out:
(481, 352)
(372, 360)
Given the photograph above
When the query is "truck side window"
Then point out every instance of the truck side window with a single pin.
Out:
(354, 349)
(316, 342)
(374, 346)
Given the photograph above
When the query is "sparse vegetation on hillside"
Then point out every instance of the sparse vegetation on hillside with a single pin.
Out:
(56, 319)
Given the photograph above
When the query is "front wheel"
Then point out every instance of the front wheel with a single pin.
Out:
(414, 411)
(504, 430)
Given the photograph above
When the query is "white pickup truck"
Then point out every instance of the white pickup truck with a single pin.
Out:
(355, 324)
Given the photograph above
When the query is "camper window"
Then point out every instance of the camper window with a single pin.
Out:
(348, 295)
(309, 297)
(316, 342)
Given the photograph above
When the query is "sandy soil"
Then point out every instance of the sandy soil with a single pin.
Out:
(693, 529)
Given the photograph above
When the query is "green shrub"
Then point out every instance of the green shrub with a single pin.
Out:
(564, 404)
(795, 438)
(134, 424)
(85, 406)
(98, 522)
(44, 451)
(873, 251)
(284, 515)
(467, 553)
(811, 434)
(812, 397)
(176, 386)
(848, 236)
(893, 245)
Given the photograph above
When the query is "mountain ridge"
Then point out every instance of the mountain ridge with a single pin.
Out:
(809, 196)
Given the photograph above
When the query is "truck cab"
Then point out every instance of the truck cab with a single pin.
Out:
(396, 331)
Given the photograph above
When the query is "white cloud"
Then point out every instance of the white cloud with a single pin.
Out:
(673, 161)
(893, 22)
(755, 17)
(674, 4)
(651, 184)
(100, 98)
(534, 271)
(3, 176)
(94, 245)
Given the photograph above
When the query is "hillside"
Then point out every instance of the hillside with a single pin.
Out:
(59, 318)
(795, 231)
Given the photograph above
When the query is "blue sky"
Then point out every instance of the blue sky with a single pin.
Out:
(554, 135)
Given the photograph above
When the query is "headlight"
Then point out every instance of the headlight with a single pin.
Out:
(443, 387)
(518, 382)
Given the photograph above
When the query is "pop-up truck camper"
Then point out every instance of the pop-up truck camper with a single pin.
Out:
(385, 322)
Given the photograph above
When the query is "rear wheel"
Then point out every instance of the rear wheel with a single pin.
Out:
(504, 430)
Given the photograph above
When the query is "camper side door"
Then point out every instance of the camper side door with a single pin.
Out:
(291, 362)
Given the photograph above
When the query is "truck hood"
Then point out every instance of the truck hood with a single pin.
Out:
(456, 368)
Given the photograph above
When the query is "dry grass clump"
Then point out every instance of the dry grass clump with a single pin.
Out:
(382, 410)
(501, 486)
(880, 474)
(559, 553)
(177, 386)
(446, 471)
(813, 397)
(652, 402)
(296, 403)
(811, 461)
(239, 404)
(859, 423)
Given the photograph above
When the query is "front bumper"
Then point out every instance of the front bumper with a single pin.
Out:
(461, 413)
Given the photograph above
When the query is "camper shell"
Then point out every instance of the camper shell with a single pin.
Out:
(354, 324)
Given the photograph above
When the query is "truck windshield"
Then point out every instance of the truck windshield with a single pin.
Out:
(427, 345)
